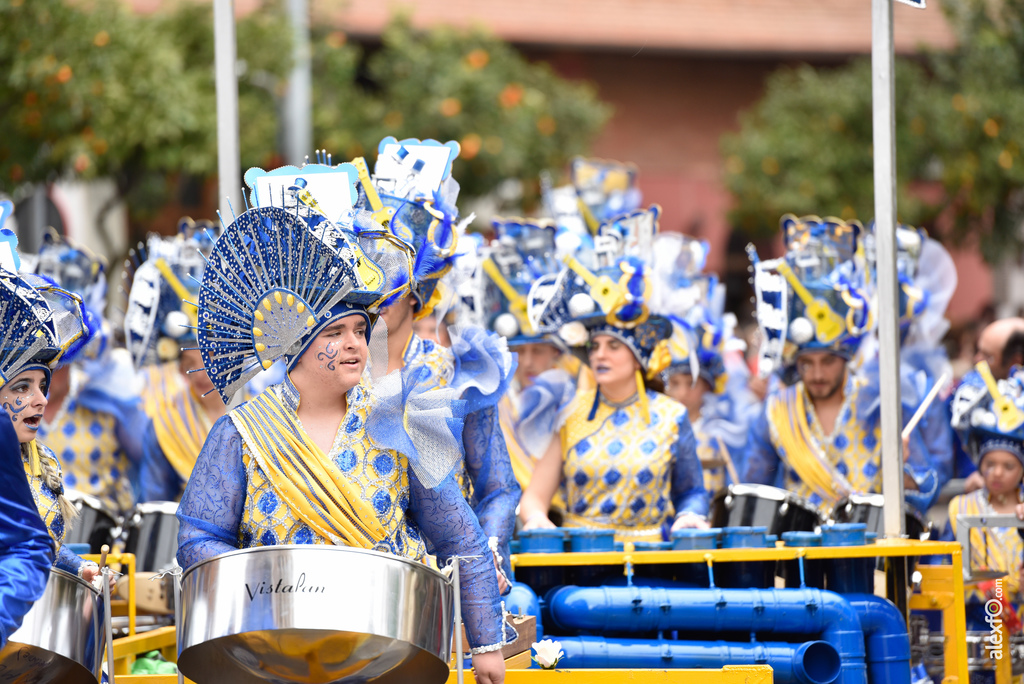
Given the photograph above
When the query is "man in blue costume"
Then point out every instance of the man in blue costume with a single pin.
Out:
(820, 438)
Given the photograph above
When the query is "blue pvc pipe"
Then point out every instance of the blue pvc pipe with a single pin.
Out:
(812, 662)
(885, 639)
(804, 611)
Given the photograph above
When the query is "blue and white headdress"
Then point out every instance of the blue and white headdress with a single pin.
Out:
(161, 279)
(73, 268)
(606, 189)
(989, 414)
(814, 298)
(521, 276)
(413, 193)
(271, 284)
(42, 323)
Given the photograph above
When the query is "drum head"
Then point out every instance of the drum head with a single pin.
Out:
(24, 663)
(309, 656)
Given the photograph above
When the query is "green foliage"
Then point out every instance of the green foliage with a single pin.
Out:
(89, 89)
(512, 118)
(806, 146)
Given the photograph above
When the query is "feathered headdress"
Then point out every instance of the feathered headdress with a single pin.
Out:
(813, 298)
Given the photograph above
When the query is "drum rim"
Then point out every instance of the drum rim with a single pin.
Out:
(319, 547)
(168, 507)
(878, 500)
(67, 575)
(784, 495)
(76, 495)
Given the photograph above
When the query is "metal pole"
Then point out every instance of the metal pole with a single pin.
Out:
(457, 588)
(298, 100)
(884, 138)
(229, 179)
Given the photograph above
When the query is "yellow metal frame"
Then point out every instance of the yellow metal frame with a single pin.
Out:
(942, 586)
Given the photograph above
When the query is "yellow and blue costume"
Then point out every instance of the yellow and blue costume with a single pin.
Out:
(48, 506)
(478, 366)
(260, 479)
(627, 471)
(632, 466)
(159, 324)
(97, 431)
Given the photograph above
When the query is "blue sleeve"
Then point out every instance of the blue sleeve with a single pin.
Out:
(211, 508)
(68, 560)
(761, 464)
(26, 550)
(131, 426)
(963, 463)
(688, 493)
(495, 489)
(447, 523)
(920, 467)
(158, 480)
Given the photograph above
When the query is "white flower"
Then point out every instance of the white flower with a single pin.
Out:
(548, 653)
(574, 334)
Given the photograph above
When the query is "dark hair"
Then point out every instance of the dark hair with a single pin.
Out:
(655, 384)
(1013, 350)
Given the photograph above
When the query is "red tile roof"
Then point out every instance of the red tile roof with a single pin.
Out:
(789, 27)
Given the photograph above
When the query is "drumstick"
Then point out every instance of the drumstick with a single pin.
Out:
(104, 550)
(919, 413)
(728, 462)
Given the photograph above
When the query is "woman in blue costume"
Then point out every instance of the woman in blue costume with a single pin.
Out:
(994, 436)
(94, 422)
(819, 438)
(309, 308)
(46, 323)
(412, 183)
(26, 549)
(625, 457)
(160, 334)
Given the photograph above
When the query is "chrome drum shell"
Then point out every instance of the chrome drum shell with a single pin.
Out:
(315, 614)
(60, 639)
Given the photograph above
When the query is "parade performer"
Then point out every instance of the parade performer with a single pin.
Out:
(625, 455)
(989, 415)
(160, 334)
(412, 186)
(812, 437)
(312, 460)
(94, 421)
(519, 273)
(26, 548)
(43, 323)
(717, 401)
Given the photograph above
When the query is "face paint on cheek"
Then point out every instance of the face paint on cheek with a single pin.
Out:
(17, 407)
(329, 355)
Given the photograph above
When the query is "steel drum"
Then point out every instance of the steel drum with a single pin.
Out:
(151, 533)
(61, 638)
(754, 505)
(314, 614)
(95, 525)
(867, 509)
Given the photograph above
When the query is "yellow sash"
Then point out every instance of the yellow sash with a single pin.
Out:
(787, 416)
(179, 421)
(303, 476)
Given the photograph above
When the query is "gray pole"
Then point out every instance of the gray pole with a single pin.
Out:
(884, 138)
(229, 180)
(298, 99)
